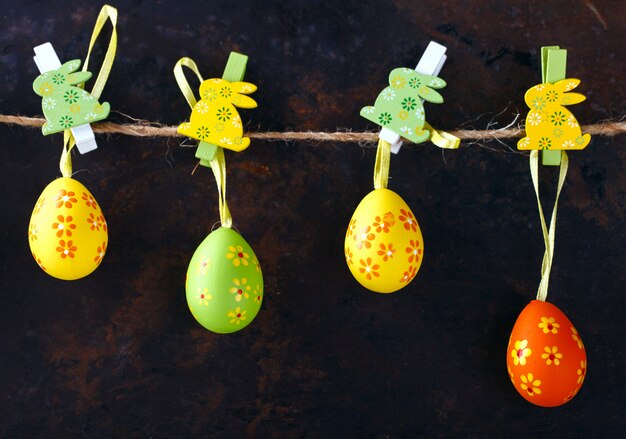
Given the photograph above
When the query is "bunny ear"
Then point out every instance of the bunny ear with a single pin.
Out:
(243, 101)
(572, 98)
(432, 81)
(78, 77)
(70, 66)
(429, 95)
(566, 85)
(244, 87)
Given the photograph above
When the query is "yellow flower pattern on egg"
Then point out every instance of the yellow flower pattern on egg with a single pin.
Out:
(546, 360)
(224, 284)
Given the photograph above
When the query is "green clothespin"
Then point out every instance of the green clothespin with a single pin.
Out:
(553, 66)
(234, 72)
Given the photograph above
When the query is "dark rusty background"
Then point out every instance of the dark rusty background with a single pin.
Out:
(119, 355)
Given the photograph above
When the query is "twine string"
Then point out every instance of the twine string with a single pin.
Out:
(154, 129)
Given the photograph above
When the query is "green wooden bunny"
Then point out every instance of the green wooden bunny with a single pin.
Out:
(399, 107)
(65, 105)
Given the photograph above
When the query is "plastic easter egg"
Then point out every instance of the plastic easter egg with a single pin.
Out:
(546, 358)
(383, 245)
(224, 282)
(67, 232)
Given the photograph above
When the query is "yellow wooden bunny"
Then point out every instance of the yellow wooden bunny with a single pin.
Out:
(549, 125)
(214, 118)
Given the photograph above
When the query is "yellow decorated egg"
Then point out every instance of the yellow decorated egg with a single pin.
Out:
(384, 245)
(67, 231)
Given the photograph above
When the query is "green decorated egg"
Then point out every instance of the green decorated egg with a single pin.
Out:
(224, 282)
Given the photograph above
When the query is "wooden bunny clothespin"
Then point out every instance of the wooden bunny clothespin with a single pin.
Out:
(64, 104)
(214, 119)
(550, 127)
(229, 269)
(399, 108)
(553, 130)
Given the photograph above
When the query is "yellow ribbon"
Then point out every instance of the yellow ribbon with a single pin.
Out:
(383, 153)
(548, 234)
(181, 80)
(381, 168)
(441, 138)
(218, 166)
(106, 13)
(218, 162)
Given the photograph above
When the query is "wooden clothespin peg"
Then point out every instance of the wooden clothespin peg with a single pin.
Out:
(550, 127)
(553, 67)
(430, 63)
(233, 72)
(48, 61)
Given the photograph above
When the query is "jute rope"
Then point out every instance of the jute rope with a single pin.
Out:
(149, 129)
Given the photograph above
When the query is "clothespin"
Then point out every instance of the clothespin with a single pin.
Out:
(430, 63)
(553, 67)
(233, 72)
(47, 60)
(550, 126)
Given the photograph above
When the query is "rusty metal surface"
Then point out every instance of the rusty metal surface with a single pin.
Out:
(118, 354)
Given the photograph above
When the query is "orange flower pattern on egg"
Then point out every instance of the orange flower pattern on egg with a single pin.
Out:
(383, 245)
(546, 358)
(67, 232)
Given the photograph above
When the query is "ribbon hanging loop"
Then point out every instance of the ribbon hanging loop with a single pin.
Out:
(218, 161)
(106, 13)
(548, 232)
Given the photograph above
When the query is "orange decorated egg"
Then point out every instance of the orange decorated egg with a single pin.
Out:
(546, 357)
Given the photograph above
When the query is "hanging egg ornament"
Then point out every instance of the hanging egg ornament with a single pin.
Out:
(383, 246)
(224, 282)
(67, 232)
(224, 285)
(546, 358)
